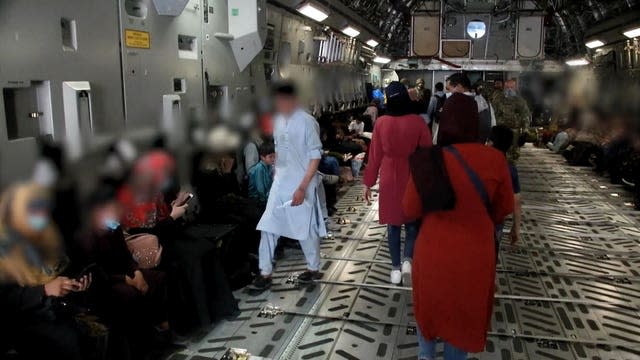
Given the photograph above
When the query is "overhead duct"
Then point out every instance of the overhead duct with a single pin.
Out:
(247, 26)
(170, 7)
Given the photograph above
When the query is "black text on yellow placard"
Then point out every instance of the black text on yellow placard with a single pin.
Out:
(137, 39)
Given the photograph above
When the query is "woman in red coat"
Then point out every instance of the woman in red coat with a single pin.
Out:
(455, 259)
(395, 137)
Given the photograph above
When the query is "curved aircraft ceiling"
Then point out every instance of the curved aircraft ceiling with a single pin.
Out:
(566, 20)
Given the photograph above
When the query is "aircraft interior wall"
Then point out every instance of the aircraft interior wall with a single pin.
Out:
(88, 72)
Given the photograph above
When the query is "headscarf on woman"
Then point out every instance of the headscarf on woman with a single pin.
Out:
(30, 246)
(141, 198)
(398, 101)
(458, 125)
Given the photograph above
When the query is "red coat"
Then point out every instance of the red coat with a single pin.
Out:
(454, 263)
(395, 138)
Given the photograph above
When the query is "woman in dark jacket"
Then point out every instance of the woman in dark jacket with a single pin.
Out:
(129, 291)
(31, 260)
(200, 293)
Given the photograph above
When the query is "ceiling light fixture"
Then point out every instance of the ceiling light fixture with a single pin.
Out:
(381, 60)
(633, 33)
(349, 31)
(372, 43)
(313, 11)
(594, 44)
(577, 62)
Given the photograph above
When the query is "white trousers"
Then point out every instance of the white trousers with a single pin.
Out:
(268, 243)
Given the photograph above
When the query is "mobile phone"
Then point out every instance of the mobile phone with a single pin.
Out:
(189, 197)
(86, 271)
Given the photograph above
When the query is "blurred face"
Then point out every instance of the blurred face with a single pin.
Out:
(420, 84)
(144, 185)
(269, 159)
(106, 216)
(454, 89)
(285, 104)
(510, 85)
(38, 216)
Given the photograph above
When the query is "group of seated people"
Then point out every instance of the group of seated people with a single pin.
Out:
(608, 144)
(129, 267)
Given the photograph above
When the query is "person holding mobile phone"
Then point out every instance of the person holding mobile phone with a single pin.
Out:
(130, 298)
(30, 276)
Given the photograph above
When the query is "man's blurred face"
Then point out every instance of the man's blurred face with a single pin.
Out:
(510, 85)
(454, 89)
(285, 104)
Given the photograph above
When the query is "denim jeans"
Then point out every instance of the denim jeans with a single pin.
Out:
(329, 165)
(393, 236)
(428, 350)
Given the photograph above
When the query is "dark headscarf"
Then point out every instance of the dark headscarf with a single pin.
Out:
(458, 121)
(458, 125)
(398, 101)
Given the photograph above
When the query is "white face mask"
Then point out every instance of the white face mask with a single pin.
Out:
(448, 94)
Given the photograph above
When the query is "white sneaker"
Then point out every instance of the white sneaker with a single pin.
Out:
(406, 273)
(396, 277)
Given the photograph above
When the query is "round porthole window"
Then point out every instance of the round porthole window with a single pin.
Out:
(476, 29)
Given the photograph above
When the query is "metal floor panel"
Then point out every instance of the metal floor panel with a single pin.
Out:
(580, 246)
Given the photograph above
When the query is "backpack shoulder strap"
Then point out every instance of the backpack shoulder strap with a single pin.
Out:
(473, 176)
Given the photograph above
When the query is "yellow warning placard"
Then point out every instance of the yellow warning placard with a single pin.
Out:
(137, 39)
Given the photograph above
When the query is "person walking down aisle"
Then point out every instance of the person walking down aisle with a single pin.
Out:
(395, 137)
(455, 259)
(294, 207)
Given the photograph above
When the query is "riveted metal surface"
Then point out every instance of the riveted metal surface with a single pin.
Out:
(572, 226)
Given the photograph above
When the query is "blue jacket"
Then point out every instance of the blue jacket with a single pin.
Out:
(260, 180)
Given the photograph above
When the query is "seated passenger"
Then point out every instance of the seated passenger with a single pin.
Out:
(221, 199)
(330, 169)
(131, 298)
(31, 288)
(461, 191)
(261, 174)
(501, 138)
(561, 140)
(356, 126)
(372, 111)
(198, 285)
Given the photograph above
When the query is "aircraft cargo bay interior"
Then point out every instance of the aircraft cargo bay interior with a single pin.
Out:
(320, 179)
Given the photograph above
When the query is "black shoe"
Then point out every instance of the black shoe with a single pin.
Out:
(261, 283)
(308, 276)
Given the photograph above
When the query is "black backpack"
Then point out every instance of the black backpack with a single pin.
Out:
(435, 116)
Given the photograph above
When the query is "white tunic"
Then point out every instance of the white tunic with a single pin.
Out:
(297, 140)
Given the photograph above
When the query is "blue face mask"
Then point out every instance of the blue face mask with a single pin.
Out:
(38, 222)
(111, 224)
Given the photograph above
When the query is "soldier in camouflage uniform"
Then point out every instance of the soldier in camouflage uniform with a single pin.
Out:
(511, 110)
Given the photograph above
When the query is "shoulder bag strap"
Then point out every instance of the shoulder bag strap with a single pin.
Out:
(473, 176)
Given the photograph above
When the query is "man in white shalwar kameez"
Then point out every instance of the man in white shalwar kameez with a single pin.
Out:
(294, 208)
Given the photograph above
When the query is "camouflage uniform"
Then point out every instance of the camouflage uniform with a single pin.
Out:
(514, 113)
